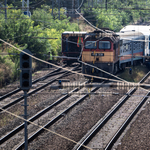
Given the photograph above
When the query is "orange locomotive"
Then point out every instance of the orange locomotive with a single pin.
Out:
(109, 51)
(101, 49)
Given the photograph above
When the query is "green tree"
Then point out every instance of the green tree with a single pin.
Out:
(20, 29)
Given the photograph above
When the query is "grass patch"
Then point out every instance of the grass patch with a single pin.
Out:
(138, 73)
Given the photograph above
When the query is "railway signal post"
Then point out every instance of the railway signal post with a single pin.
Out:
(25, 84)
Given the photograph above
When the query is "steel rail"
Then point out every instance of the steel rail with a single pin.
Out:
(35, 81)
(145, 77)
(36, 116)
(34, 91)
(101, 123)
(31, 138)
(125, 124)
(90, 134)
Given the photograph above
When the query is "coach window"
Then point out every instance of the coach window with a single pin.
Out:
(127, 48)
(121, 48)
(104, 45)
(90, 44)
(124, 48)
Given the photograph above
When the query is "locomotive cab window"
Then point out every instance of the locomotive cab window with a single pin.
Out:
(104, 45)
(90, 44)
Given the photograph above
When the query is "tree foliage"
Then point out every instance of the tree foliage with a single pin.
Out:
(116, 13)
(39, 33)
(35, 31)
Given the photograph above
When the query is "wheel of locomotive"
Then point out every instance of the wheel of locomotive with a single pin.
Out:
(135, 63)
(123, 66)
(68, 63)
(115, 68)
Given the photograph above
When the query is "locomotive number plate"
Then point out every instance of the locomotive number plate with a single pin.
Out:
(97, 54)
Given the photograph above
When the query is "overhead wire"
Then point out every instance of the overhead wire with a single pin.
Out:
(84, 62)
(37, 3)
(60, 66)
(34, 123)
(92, 66)
(95, 41)
(81, 51)
(89, 22)
(80, 5)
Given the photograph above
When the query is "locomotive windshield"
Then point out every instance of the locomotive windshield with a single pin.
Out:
(104, 45)
(90, 44)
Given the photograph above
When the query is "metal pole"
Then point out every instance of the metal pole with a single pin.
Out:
(132, 53)
(78, 5)
(78, 25)
(5, 10)
(25, 122)
(52, 6)
(72, 6)
(25, 4)
(106, 5)
(28, 7)
(22, 5)
(59, 8)
(92, 3)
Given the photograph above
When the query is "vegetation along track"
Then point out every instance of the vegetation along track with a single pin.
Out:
(57, 109)
(107, 130)
(12, 98)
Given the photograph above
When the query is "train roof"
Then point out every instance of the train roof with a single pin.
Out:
(130, 34)
(103, 35)
(74, 33)
(134, 34)
(145, 30)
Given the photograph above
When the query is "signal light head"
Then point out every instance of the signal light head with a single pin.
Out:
(26, 73)
(25, 56)
(25, 65)
(25, 84)
(25, 60)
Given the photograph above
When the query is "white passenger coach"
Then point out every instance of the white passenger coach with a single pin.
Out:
(145, 30)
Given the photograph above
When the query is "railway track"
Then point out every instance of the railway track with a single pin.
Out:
(14, 91)
(31, 138)
(7, 101)
(17, 134)
(52, 73)
(55, 117)
(108, 129)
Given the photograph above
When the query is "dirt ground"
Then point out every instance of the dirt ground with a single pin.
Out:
(76, 123)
